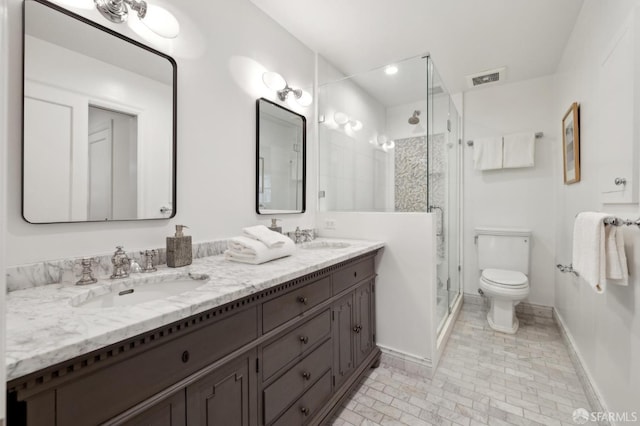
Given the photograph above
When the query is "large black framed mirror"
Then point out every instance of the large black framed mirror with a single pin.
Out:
(281, 146)
(99, 122)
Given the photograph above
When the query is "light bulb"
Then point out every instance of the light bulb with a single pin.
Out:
(356, 125)
(390, 145)
(390, 70)
(305, 99)
(382, 139)
(341, 118)
(161, 21)
(273, 80)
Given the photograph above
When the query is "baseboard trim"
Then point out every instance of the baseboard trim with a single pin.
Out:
(525, 308)
(406, 362)
(594, 397)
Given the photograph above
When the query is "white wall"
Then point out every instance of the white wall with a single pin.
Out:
(221, 53)
(605, 328)
(3, 181)
(516, 198)
(405, 287)
(353, 173)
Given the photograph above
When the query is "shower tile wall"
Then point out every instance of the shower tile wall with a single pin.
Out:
(411, 193)
(411, 174)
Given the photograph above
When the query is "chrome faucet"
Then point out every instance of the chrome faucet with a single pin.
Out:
(87, 273)
(148, 261)
(121, 264)
(302, 235)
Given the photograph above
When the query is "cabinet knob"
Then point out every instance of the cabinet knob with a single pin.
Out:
(357, 329)
(303, 300)
(304, 411)
(185, 356)
(306, 375)
(304, 339)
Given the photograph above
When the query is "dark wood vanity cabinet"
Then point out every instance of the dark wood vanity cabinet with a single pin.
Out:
(285, 356)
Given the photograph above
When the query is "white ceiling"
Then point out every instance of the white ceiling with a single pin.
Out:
(463, 36)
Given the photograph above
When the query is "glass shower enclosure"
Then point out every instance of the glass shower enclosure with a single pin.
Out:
(389, 141)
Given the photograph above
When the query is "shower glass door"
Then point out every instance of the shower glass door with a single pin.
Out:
(443, 184)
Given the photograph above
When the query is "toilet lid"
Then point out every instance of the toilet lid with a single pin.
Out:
(504, 277)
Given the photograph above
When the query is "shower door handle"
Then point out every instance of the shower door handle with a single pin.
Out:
(441, 210)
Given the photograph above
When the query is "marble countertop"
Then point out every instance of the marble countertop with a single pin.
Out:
(44, 327)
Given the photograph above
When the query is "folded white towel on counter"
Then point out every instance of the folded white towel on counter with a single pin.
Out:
(518, 150)
(248, 250)
(270, 238)
(487, 153)
(598, 251)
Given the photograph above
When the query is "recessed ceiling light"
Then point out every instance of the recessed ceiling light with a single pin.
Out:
(390, 70)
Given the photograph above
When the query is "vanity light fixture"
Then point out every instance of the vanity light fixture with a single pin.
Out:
(275, 81)
(343, 119)
(383, 143)
(156, 18)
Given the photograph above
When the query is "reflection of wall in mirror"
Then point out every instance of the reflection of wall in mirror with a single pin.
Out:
(282, 164)
(90, 81)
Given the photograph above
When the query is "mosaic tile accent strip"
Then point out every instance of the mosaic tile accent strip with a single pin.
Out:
(411, 174)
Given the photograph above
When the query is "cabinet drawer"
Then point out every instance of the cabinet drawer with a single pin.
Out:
(352, 274)
(294, 343)
(101, 395)
(306, 407)
(288, 306)
(295, 381)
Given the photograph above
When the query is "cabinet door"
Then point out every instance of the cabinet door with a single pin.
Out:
(225, 397)
(168, 412)
(364, 322)
(343, 342)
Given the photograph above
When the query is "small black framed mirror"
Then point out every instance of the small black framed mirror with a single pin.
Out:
(281, 159)
(99, 122)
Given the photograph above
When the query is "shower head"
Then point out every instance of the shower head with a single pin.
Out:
(414, 118)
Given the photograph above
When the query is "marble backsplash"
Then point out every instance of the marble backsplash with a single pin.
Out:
(69, 270)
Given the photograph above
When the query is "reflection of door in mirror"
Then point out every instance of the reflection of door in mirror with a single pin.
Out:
(280, 164)
(113, 167)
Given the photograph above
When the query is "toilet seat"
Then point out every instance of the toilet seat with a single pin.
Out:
(505, 279)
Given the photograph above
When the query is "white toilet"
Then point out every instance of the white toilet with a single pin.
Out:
(503, 258)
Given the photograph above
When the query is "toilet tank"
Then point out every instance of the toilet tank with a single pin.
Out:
(503, 248)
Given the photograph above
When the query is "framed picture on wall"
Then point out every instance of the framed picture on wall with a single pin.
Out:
(571, 145)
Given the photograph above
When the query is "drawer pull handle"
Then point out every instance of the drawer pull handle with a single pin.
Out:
(304, 411)
(304, 339)
(357, 329)
(355, 274)
(185, 356)
(303, 300)
(306, 375)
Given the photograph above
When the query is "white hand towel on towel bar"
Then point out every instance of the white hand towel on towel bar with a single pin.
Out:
(270, 238)
(248, 250)
(487, 153)
(518, 150)
(598, 251)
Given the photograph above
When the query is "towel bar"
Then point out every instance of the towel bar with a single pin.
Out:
(616, 221)
(567, 269)
(538, 136)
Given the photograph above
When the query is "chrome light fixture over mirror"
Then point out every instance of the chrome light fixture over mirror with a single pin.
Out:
(156, 18)
(275, 81)
(99, 128)
(280, 160)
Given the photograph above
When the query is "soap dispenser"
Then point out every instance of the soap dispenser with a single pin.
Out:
(274, 226)
(179, 251)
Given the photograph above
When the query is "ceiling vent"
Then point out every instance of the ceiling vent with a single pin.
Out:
(487, 77)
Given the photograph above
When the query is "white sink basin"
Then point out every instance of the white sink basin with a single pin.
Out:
(133, 294)
(319, 245)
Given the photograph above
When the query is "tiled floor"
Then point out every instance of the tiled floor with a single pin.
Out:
(484, 378)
